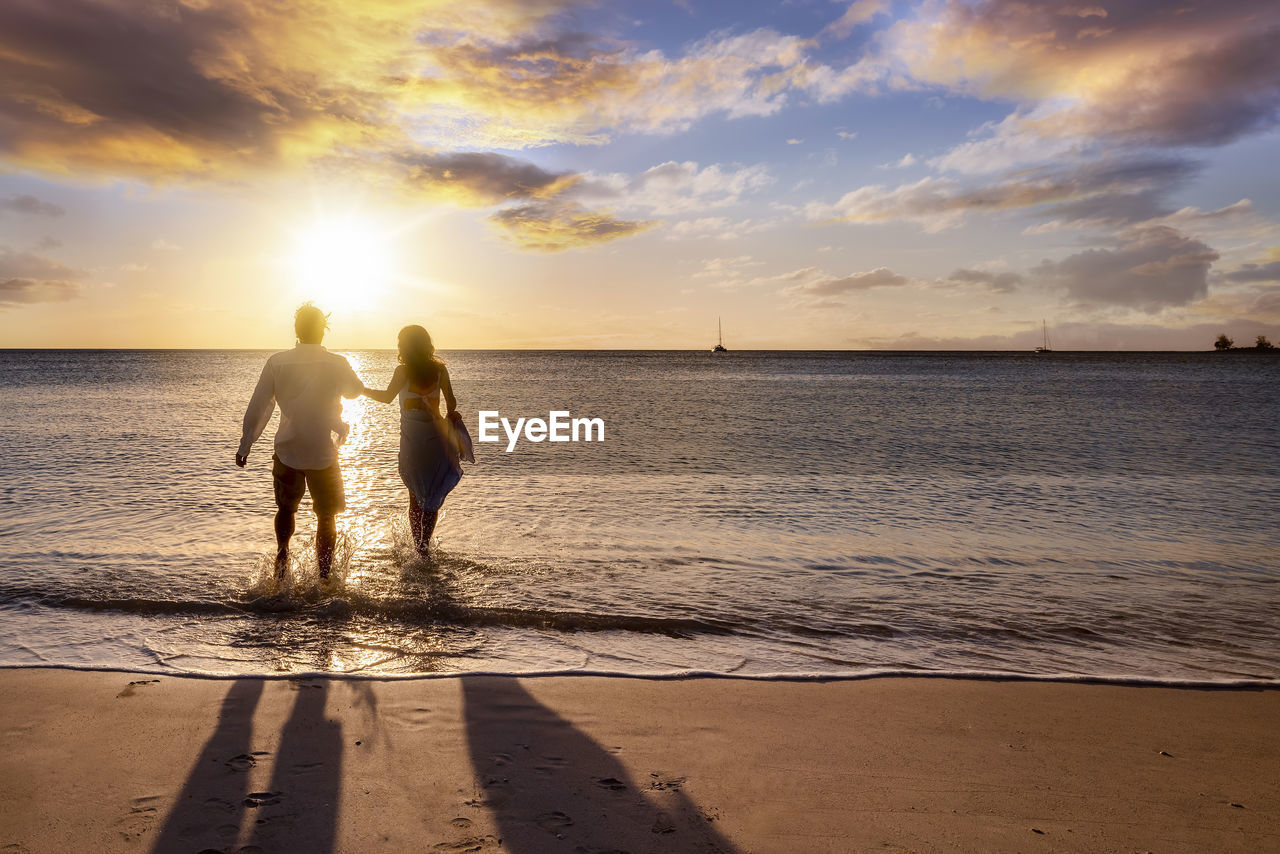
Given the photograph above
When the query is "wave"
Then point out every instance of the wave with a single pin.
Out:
(406, 609)
(682, 675)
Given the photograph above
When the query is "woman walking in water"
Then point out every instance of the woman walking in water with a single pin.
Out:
(431, 444)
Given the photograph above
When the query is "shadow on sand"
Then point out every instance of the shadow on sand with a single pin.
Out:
(296, 811)
(551, 787)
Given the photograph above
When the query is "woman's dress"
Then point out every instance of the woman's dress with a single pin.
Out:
(427, 467)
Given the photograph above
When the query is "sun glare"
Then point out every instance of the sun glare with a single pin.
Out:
(342, 263)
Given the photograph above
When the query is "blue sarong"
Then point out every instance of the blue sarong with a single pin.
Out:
(425, 468)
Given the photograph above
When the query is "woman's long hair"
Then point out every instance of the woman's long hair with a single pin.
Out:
(418, 355)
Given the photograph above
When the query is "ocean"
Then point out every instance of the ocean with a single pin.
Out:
(797, 514)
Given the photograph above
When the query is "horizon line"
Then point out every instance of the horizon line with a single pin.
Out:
(618, 350)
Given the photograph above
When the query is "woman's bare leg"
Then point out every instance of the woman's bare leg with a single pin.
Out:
(415, 524)
(428, 527)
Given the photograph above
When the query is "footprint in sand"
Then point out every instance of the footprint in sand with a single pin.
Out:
(550, 764)
(461, 823)
(132, 687)
(220, 805)
(500, 759)
(295, 685)
(663, 824)
(263, 799)
(612, 783)
(668, 784)
(141, 815)
(241, 763)
(471, 843)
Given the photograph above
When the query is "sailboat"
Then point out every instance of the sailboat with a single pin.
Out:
(1044, 348)
(719, 348)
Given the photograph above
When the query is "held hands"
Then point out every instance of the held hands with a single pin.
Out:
(241, 460)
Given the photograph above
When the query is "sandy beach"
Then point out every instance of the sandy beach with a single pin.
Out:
(108, 761)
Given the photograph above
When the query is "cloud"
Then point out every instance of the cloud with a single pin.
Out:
(859, 12)
(26, 204)
(674, 187)
(845, 134)
(1258, 304)
(218, 91)
(938, 203)
(903, 162)
(718, 227)
(996, 282)
(162, 245)
(481, 179)
(555, 87)
(726, 268)
(384, 93)
(816, 288)
(1147, 269)
(160, 91)
(29, 278)
(1269, 272)
(1145, 73)
(1238, 219)
(555, 226)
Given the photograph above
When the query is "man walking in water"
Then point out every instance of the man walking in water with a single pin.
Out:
(308, 382)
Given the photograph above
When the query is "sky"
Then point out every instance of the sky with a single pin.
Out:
(819, 174)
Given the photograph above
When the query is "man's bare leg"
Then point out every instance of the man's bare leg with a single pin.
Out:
(326, 542)
(284, 533)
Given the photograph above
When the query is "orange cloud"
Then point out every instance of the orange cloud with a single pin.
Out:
(554, 227)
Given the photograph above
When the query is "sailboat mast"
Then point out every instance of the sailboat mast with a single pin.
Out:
(719, 333)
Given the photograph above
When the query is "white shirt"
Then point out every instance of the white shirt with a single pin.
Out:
(308, 382)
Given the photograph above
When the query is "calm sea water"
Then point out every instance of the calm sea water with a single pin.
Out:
(753, 513)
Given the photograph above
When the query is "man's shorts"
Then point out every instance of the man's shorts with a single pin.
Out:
(327, 496)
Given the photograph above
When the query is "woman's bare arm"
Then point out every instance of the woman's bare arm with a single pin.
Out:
(446, 388)
(393, 388)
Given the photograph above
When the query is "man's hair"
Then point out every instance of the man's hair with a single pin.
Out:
(310, 323)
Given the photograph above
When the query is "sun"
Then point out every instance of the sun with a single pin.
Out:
(342, 262)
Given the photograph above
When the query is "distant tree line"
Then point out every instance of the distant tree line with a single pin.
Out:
(1225, 343)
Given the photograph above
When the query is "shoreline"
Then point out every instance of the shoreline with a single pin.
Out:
(1129, 681)
(96, 760)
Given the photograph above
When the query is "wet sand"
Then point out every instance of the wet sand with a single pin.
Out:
(120, 762)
